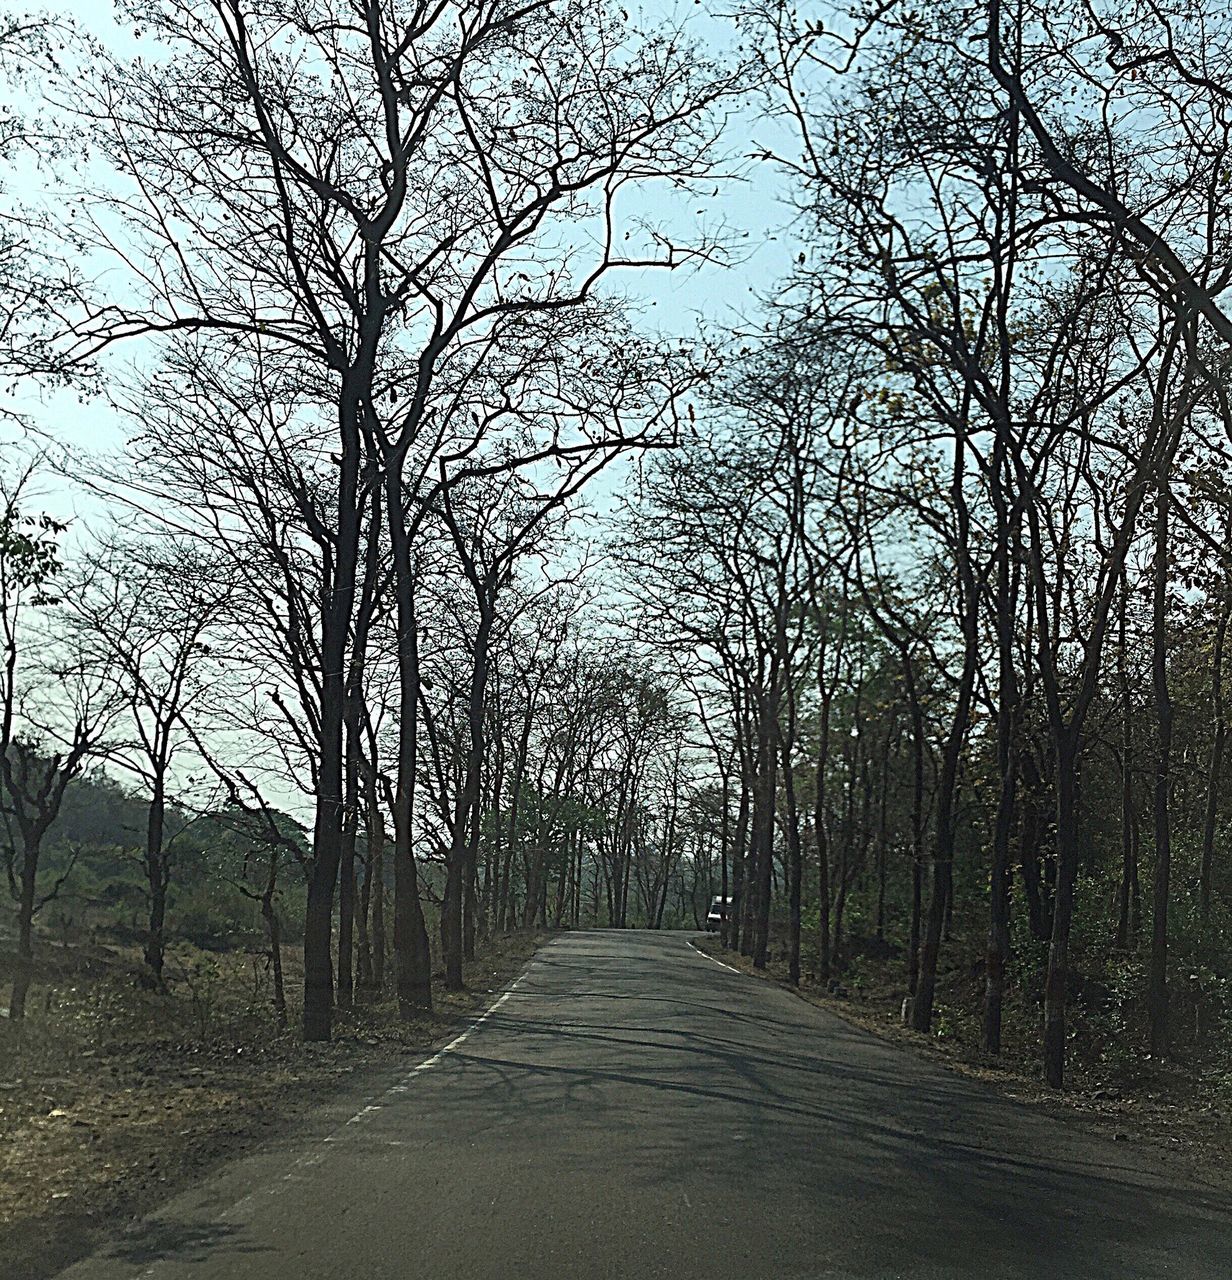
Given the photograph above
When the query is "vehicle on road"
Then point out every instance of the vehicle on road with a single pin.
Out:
(719, 907)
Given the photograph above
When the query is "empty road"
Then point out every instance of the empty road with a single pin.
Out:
(632, 1109)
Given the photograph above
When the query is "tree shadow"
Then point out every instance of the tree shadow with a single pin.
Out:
(154, 1240)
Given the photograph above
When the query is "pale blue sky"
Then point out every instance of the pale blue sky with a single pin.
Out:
(673, 303)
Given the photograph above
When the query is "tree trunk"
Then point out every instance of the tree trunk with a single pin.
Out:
(23, 974)
(1003, 827)
(942, 863)
(534, 874)
(363, 941)
(795, 871)
(156, 878)
(1127, 891)
(1057, 977)
(579, 853)
(490, 911)
(724, 853)
(1215, 769)
(916, 712)
(947, 783)
(738, 869)
(558, 905)
(464, 847)
(412, 954)
(274, 932)
(451, 921)
(344, 977)
(883, 841)
(318, 930)
(1039, 918)
(376, 874)
(328, 819)
(763, 832)
(469, 905)
(1157, 993)
(922, 1005)
(795, 886)
(821, 836)
(508, 906)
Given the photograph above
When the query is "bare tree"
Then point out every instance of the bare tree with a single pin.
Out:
(54, 712)
(143, 615)
(373, 227)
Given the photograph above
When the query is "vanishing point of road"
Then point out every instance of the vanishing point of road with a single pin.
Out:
(633, 1109)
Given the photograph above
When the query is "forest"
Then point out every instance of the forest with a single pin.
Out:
(381, 575)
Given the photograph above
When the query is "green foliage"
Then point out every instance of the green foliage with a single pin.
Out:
(100, 834)
(29, 552)
(212, 915)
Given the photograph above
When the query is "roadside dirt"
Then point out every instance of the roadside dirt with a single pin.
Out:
(1187, 1121)
(115, 1097)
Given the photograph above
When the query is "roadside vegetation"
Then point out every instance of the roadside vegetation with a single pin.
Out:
(418, 592)
(123, 1095)
(957, 560)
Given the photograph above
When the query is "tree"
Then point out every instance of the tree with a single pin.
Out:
(378, 270)
(143, 618)
(39, 255)
(53, 713)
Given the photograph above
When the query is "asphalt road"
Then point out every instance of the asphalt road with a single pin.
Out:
(632, 1109)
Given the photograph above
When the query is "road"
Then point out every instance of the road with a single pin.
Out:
(632, 1109)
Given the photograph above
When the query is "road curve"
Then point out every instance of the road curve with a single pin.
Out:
(632, 1109)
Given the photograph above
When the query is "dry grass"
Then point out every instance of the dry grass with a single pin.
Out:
(113, 1096)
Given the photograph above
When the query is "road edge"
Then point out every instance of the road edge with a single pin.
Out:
(1211, 1166)
(321, 1109)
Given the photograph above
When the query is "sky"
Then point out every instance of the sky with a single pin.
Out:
(675, 303)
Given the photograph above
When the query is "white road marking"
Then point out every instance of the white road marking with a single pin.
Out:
(240, 1209)
(708, 956)
(457, 1040)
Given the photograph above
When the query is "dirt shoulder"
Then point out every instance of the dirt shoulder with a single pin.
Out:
(119, 1098)
(1187, 1122)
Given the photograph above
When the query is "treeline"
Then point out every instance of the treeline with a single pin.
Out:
(955, 571)
(339, 270)
(927, 566)
(554, 776)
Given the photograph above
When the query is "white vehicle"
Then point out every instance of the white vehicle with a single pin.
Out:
(719, 907)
